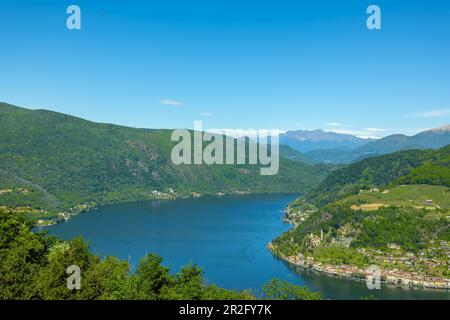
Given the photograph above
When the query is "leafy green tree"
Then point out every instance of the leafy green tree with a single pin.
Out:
(369, 297)
(22, 253)
(108, 280)
(212, 292)
(152, 276)
(52, 279)
(187, 285)
(282, 290)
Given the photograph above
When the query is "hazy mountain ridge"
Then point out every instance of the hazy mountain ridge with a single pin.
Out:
(430, 139)
(310, 140)
(347, 150)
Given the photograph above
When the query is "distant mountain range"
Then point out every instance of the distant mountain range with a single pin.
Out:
(431, 139)
(310, 140)
(330, 147)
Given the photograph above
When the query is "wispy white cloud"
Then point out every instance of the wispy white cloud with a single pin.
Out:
(334, 124)
(376, 129)
(431, 114)
(337, 124)
(250, 133)
(376, 133)
(171, 102)
(206, 114)
(370, 137)
(364, 134)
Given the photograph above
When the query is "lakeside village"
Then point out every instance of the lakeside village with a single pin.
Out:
(398, 267)
(388, 276)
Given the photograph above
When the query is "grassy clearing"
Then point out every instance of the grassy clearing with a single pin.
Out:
(417, 196)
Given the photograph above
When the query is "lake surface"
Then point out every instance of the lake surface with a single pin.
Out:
(227, 236)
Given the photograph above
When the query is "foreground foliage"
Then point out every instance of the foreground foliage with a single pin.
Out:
(33, 266)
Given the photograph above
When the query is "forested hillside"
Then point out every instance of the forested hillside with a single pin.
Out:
(375, 172)
(391, 211)
(52, 161)
(435, 171)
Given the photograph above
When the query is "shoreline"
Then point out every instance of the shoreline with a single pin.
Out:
(388, 277)
(155, 196)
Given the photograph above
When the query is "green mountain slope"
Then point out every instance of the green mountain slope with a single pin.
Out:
(389, 144)
(292, 154)
(380, 171)
(435, 171)
(53, 161)
(332, 156)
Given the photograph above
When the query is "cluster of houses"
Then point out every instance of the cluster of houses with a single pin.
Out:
(405, 268)
(296, 216)
(163, 195)
(344, 238)
(393, 277)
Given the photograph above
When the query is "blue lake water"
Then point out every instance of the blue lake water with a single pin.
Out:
(226, 236)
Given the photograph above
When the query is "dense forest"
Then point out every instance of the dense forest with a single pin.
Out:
(435, 171)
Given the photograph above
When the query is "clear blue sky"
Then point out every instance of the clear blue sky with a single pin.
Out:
(234, 64)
